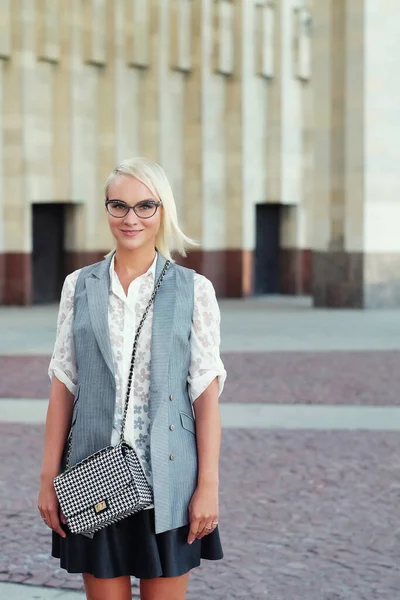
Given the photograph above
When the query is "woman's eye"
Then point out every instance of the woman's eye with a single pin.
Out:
(145, 206)
(117, 205)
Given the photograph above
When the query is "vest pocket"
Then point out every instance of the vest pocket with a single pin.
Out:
(188, 422)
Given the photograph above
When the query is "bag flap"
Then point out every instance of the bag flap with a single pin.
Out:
(92, 480)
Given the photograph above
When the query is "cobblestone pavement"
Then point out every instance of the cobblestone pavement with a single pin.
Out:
(367, 378)
(304, 516)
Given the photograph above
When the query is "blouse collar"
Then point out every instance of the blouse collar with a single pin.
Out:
(115, 282)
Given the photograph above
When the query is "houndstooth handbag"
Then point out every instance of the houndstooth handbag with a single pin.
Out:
(110, 484)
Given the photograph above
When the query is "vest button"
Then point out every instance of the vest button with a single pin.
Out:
(172, 427)
(172, 457)
(171, 397)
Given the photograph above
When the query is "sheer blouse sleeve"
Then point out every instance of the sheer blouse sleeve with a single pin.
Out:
(63, 364)
(205, 362)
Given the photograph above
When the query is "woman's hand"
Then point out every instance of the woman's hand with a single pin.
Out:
(203, 511)
(58, 423)
(49, 507)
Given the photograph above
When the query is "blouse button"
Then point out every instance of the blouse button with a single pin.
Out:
(172, 457)
(172, 427)
(171, 397)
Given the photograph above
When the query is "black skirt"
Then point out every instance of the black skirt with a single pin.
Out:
(131, 547)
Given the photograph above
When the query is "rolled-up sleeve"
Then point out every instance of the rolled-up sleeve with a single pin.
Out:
(205, 362)
(63, 364)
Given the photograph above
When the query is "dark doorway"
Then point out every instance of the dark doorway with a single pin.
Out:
(48, 252)
(268, 226)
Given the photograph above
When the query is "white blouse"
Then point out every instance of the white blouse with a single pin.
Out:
(124, 315)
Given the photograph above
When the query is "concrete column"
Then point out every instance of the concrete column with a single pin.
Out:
(174, 57)
(5, 53)
(295, 145)
(258, 64)
(109, 91)
(339, 126)
(257, 37)
(129, 66)
(206, 97)
(357, 248)
(2, 198)
(238, 261)
(192, 142)
(40, 62)
(84, 98)
(381, 155)
(17, 219)
(62, 117)
(274, 115)
(149, 92)
(92, 93)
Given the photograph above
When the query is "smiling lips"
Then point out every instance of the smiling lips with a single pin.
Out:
(132, 233)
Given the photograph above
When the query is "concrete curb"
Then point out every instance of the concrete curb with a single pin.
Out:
(253, 416)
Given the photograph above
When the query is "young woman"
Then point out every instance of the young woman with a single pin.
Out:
(173, 418)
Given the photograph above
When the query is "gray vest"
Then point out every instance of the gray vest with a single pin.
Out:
(173, 450)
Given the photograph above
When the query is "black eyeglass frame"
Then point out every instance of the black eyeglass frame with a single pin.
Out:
(128, 208)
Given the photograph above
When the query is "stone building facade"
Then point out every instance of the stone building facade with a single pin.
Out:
(277, 122)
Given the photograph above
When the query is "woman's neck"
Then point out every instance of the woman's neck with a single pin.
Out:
(133, 263)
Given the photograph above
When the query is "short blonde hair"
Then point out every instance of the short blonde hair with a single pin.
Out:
(170, 237)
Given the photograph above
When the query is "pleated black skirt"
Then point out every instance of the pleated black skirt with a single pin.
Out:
(131, 547)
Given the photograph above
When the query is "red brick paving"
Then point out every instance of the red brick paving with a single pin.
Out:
(24, 376)
(359, 378)
(304, 516)
(366, 378)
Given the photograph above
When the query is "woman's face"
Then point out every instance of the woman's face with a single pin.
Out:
(132, 232)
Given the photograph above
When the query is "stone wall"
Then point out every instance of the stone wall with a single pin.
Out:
(209, 88)
(289, 102)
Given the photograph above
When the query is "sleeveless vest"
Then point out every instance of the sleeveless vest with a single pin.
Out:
(173, 451)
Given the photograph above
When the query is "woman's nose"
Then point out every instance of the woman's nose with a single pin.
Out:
(131, 218)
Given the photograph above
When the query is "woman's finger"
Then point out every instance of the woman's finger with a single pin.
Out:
(202, 524)
(46, 517)
(208, 528)
(194, 527)
(54, 522)
(202, 531)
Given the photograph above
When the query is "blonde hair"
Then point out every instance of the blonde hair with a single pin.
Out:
(170, 237)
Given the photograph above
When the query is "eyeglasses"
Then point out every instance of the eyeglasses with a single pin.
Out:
(144, 209)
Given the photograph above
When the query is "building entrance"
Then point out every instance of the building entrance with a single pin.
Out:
(48, 268)
(268, 226)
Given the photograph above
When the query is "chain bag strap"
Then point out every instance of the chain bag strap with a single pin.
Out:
(135, 344)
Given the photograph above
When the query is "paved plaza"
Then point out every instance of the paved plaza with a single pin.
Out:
(310, 469)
